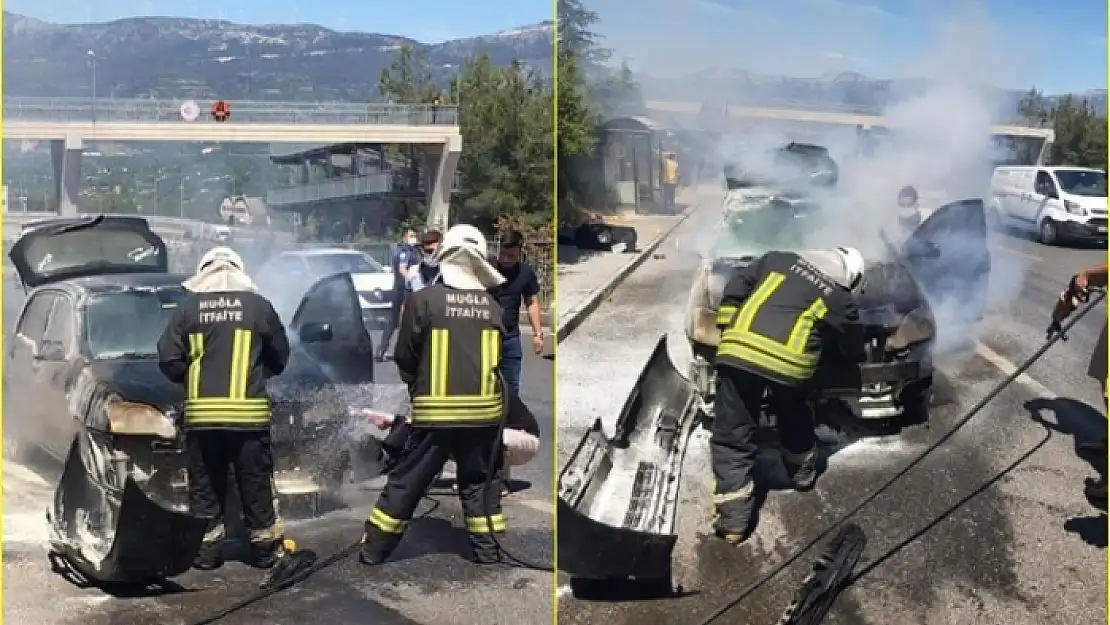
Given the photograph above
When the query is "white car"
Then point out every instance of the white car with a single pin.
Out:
(286, 277)
(1057, 204)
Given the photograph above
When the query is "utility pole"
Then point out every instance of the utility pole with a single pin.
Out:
(92, 63)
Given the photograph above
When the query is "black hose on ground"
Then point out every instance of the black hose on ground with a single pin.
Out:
(295, 572)
(1055, 336)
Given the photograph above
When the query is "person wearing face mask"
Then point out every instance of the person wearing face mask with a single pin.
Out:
(521, 287)
(403, 261)
(427, 273)
(909, 209)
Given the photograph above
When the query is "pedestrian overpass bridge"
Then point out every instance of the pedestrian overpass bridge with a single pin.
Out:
(794, 112)
(71, 122)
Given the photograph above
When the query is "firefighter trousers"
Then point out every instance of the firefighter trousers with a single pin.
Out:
(250, 458)
(732, 444)
(428, 450)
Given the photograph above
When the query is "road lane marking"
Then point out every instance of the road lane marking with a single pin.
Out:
(1005, 366)
(1016, 252)
(539, 505)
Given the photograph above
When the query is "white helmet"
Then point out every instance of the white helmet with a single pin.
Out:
(220, 254)
(853, 265)
(463, 236)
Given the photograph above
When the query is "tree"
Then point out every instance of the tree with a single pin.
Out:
(408, 79)
(1080, 129)
(506, 117)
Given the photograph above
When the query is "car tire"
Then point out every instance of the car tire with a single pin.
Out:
(1047, 232)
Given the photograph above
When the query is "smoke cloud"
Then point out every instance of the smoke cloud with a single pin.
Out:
(940, 137)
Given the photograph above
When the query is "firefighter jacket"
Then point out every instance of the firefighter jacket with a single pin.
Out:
(223, 346)
(448, 351)
(776, 315)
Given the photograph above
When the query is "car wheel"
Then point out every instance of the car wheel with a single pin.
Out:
(1048, 233)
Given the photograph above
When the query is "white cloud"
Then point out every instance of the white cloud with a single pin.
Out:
(833, 55)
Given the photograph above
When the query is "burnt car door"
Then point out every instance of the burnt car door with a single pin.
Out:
(328, 326)
(22, 418)
(52, 372)
(949, 257)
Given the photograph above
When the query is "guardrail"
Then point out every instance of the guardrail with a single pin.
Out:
(85, 110)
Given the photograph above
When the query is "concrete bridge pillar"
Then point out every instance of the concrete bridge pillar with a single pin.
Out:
(66, 157)
(440, 163)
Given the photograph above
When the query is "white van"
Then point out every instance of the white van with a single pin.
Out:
(1058, 203)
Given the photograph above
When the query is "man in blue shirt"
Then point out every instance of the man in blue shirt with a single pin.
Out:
(403, 261)
(521, 287)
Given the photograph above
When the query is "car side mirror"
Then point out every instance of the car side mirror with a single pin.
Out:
(1051, 193)
(316, 333)
(51, 351)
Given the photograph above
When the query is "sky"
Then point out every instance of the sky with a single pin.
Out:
(429, 21)
(1058, 45)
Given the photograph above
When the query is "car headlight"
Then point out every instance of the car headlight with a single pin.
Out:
(1074, 208)
(137, 419)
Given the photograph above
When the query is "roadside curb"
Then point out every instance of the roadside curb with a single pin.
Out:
(583, 309)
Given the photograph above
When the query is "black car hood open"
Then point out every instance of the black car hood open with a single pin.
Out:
(138, 381)
(88, 246)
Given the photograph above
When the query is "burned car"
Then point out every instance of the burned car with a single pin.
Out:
(944, 265)
(87, 392)
(618, 494)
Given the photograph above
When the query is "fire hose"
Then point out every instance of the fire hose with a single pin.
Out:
(296, 565)
(833, 569)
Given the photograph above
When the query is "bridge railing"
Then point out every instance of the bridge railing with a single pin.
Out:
(86, 110)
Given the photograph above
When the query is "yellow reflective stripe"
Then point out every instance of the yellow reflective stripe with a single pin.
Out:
(240, 364)
(725, 313)
(252, 402)
(440, 362)
(196, 353)
(262, 420)
(756, 301)
(386, 523)
(481, 524)
(491, 358)
(762, 359)
(799, 336)
(455, 415)
(452, 401)
(776, 349)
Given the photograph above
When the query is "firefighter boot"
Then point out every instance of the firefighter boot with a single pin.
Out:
(264, 553)
(376, 545)
(802, 469)
(733, 515)
(210, 556)
(485, 549)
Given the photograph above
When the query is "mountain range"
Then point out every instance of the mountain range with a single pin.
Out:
(177, 58)
(169, 57)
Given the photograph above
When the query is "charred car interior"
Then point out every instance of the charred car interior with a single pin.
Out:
(88, 392)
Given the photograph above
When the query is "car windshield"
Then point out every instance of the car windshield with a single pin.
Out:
(1082, 182)
(758, 231)
(128, 324)
(353, 262)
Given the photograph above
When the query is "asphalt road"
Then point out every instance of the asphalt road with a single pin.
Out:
(428, 581)
(1027, 549)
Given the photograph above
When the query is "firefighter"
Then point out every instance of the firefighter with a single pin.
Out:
(775, 317)
(222, 343)
(448, 351)
(1076, 293)
(669, 180)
